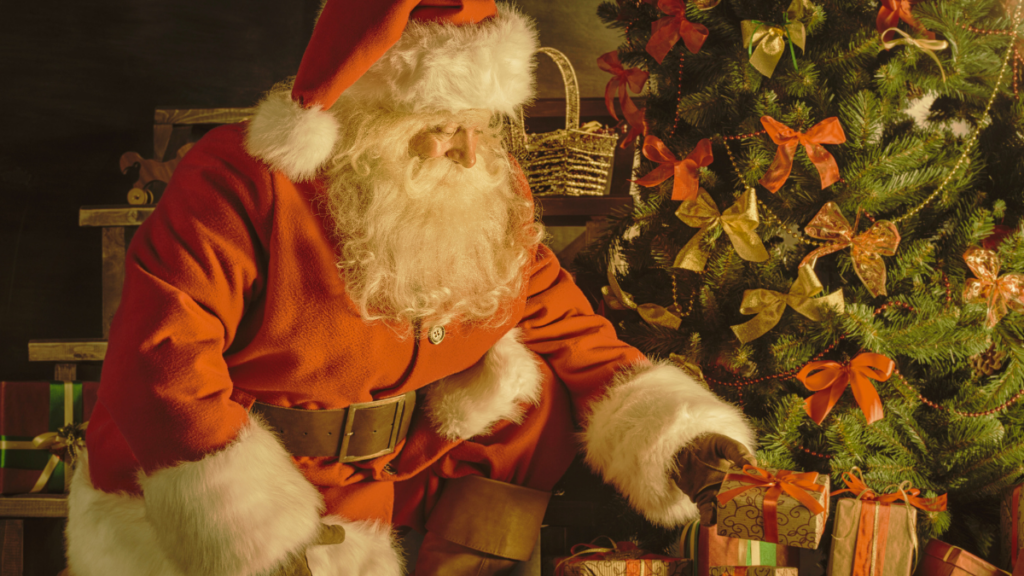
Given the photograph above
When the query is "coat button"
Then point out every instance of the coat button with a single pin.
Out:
(436, 334)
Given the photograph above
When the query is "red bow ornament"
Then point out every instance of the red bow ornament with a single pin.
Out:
(636, 121)
(829, 379)
(890, 14)
(634, 78)
(999, 292)
(666, 31)
(828, 131)
(867, 250)
(686, 185)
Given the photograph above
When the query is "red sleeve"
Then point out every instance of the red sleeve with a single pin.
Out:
(560, 325)
(191, 269)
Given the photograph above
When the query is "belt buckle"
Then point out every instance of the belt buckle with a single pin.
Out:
(396, 426)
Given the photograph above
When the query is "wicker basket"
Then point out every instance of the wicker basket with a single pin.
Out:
(576, 161)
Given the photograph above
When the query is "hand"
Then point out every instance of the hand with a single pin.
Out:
(696, 473)
(296, 564)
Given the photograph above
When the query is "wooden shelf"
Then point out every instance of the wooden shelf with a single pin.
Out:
(67, 350)
(34, 506)
(114, 215)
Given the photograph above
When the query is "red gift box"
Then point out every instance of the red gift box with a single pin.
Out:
(706, 548)
(38, 419)
(941, 559)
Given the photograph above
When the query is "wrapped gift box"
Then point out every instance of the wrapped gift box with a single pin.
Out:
(28, 411)
(1011, 527)
(870, 532)
(706, 548)
(752, 571)
(791, 521)
(941, 559)
(623, 564)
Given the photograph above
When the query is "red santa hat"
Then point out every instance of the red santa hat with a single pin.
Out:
(405, 55)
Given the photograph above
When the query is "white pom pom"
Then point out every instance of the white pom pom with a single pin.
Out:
(294, 140)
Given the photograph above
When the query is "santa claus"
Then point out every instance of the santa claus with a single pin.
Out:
(340, 319)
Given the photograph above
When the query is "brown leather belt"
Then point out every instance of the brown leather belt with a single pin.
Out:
(359, 432)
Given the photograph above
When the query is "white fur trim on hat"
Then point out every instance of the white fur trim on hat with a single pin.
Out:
(291, 139)
(240, 511)
(634, 432)
(443, 67)
(470, 402)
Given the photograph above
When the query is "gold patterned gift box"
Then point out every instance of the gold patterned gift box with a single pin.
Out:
(752, 571)
(779, 506)
(621, 559)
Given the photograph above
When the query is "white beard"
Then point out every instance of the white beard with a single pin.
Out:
(428, 240)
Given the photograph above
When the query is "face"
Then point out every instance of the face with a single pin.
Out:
(456, 139)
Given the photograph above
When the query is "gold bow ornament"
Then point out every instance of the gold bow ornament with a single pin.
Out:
(867, 248)
(618, 299)
(927, 46)
(63, 445)
(770, 39)
(999, 292)
(768, 305)
(738, 222)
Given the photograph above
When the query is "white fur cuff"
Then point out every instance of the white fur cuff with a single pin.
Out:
(470, 402)
(369, 549)
(236, 512)
(635, 431)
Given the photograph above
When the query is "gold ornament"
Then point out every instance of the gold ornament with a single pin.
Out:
(738, 222)
(770, 39)
(769, 305)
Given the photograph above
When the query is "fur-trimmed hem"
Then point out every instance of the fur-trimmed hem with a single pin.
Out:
(291, 139)
(240, 511)
(369, 549)
(438, 66)
(469, 403)
(634, 432)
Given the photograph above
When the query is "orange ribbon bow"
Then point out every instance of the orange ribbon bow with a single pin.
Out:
(890, 14)
(666, 31)
(796, 484)
(686, 185)
(634, 78)
(828, 131)
(829, 380)
(637, 125)
(867, 250)
(999, 292)
(855, 485)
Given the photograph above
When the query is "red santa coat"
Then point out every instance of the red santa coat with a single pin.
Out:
(232, 296)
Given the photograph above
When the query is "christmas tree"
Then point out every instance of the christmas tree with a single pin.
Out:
(830, 197)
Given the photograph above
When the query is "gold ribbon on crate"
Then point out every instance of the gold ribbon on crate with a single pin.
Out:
(738, 222)
(618, 299)
(769, 305)
(67, 440)
(927, 46)
(866, 248)
(770, 39)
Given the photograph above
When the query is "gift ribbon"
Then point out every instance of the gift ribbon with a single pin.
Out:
(998, 292)
(618, 551)
(855, 484)
(634, 78)
(686, 184)
(795, 484)
(769, 305)
(890, 14)
(829, 379)
(738, 222)
(927, 46)
(66, 407)
(828, 131)
(770, 39)
(867, 248)
(665, 32)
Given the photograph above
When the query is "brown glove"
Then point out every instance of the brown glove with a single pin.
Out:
(696, 473)
(296, 565)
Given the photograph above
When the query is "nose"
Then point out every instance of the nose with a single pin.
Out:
(463, 148)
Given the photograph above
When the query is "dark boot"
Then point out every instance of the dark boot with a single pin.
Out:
(481, 527)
